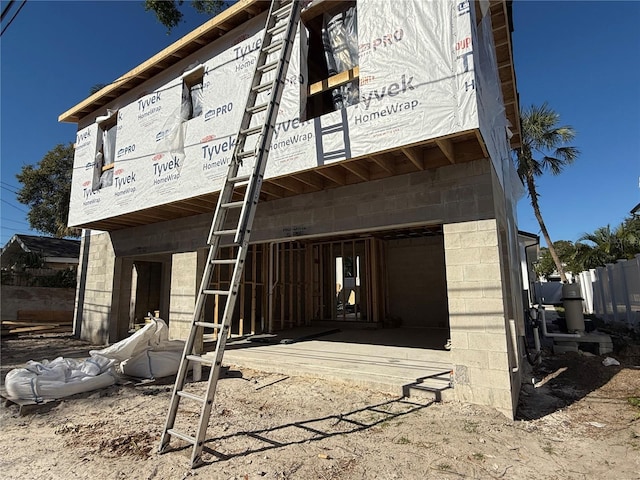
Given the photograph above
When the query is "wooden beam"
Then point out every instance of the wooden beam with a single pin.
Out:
(272, 190)
(334, 81)
(311, 179)
(358, 170)
(447, 148)
(288, 183)
(225, 21)
(383, 163)
(333, 175)
(413, 158)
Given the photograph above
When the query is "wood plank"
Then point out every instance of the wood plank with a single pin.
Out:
(383, 163)
(289, 183)
(45, 316)
(319, 7)
(334, 81)
(272, 190)
(447, 148)
(413, 157)
(310, 178)
(226, 20)
(333, 175)
(358, 170)
(36, 329)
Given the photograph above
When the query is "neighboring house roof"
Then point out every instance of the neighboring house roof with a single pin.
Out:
(51, 249)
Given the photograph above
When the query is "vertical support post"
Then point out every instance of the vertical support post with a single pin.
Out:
(254, 286)
(612, 293)
(626, 298)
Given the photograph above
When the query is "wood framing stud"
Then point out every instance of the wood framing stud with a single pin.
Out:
(358, 170)
(333, 175)
(311, 179)
(288, 184)
(334, 81)
(383, 163)
(447, 148)
(413, 157)
(273, 190)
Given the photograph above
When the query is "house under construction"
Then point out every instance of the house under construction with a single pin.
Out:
(389, 196)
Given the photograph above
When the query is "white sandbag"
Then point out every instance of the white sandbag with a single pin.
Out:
(152, 335)
(155, 363)
(59, 378)
(148, 353)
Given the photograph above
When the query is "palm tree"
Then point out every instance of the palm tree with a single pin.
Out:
(603, 247)
(541, 136)
(607, 245)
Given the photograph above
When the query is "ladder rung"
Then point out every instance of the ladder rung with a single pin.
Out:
(251, 131)
(246, 154)
(277, 29)
(182, 436)
(239, 179)
(275, 46)
(267, 67)
(200, 359)
(222, 233)
(237, 204)
(191, 396)
(208, 325)
(258, 108)
(284, 9)
(216, 292)
(263, 87)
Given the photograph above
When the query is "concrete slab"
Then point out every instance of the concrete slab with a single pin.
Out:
(376, 359)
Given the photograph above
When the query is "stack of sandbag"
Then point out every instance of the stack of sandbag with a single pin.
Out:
(148, 353)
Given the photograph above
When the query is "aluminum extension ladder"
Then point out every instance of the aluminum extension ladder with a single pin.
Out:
(252, 144)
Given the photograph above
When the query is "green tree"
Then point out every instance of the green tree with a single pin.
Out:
(565, 251)
(542, 137)
(168, 11)
(606, 245)
(47, 189)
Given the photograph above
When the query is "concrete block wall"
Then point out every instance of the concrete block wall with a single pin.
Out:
(94, 297)
(34, 298)
(477, 320)
(184, 289)
(460, 197)
(416, 269)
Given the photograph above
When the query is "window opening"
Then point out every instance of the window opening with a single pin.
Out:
(192, 94)
(332, 66)
(104, 163)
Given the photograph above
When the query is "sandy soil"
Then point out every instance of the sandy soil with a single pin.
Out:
(580, 424)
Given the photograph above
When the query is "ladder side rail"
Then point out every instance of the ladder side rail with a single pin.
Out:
(253, 191)
(214, 373)
(250, 203)
(280, 10)
(188, 347)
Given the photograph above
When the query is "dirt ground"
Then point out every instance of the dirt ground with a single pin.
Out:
(582, 422)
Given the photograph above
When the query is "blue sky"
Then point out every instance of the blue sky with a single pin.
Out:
(580, 57)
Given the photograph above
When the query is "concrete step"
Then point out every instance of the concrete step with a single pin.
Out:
(435, 388)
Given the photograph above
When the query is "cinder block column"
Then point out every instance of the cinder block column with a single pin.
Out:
(184, 288)
(94, 298)
(479, 327)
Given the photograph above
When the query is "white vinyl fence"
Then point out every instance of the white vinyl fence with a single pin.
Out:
(612, 292)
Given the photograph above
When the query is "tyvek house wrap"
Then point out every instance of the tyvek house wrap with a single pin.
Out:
(416, 82)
